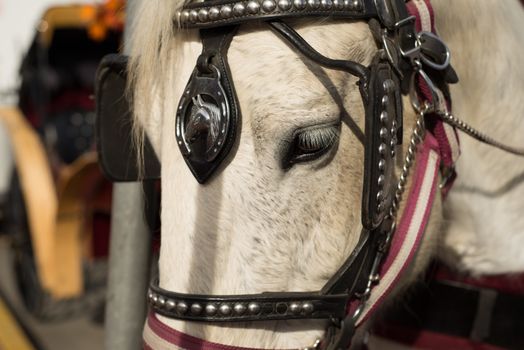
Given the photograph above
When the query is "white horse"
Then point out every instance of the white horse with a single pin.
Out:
(485, 225)
(257, 227)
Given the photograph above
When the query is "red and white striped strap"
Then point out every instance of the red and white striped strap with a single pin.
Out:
(411, 226)
(445, 134)
(158, 335)
(440, 149)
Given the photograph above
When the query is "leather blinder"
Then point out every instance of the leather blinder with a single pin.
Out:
(208, 114)
(118, 157)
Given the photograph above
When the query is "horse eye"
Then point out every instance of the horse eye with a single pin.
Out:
(310, 143)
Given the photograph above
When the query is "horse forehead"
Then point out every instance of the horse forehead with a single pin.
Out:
(335, 39)
(272, 77)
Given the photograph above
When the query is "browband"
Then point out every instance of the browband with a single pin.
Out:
(215, 13)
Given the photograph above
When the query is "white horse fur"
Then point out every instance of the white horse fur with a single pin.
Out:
(256, 227)
(484, 213)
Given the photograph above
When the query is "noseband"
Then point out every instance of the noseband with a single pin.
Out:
(410, 60)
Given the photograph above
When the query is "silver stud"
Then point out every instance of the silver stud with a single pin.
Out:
(196, 309)
(393, 147)
(225, 309)
(326, 4)
(268, 5)
(214, 13)
(170, 304)
(308, 308)
(193, 16)
(202, 15)
(239, 9)
(385, 101)
(314, 4)
(239, 309)
(347, 4)
(181, 307)
(253, 7)
(253, 308)
(161, 301)
(394, 124)
(381, 180)
(300, 4)
(388, 85)
(295, 308)
(357, 5)
(383, 133)
(150, 295)
(393, 132)
(380, 196)
(154, 298)
(382, 165)
(226, 11)
(380, 207)
(284, 5)
(382, 148)
(338, 4)
(211, 309)
(184, 16)
(384, 117)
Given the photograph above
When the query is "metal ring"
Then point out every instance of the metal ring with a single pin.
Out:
(436, 40)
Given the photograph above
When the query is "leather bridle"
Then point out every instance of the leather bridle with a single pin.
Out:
(407, 62)
(381, 85)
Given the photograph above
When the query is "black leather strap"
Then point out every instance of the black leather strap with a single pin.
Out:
(351, 67)
(251, 307)
(383, 122)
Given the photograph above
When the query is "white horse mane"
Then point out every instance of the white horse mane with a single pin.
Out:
(255, 227)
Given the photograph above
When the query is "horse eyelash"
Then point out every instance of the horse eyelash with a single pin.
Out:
(313, 139)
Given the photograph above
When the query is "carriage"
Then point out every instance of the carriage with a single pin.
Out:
(58, 208)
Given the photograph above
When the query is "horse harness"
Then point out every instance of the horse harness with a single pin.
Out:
(208, 115)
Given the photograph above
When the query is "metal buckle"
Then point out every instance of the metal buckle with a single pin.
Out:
(426, 106)
(434, 52)
(389, 45)
(405, 21)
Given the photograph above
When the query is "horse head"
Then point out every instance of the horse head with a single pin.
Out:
(278, 149)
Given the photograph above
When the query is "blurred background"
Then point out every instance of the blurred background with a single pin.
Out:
(54, 203)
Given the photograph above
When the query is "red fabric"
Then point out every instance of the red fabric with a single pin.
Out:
(69, 99)
(72, 99)
(183, 340)
(431, 340)
(511, 284)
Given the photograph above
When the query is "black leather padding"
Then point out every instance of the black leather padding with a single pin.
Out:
(380, 148)
(117, 155)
